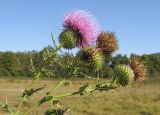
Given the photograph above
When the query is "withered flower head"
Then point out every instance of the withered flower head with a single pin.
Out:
(107, 42)
(140, 70)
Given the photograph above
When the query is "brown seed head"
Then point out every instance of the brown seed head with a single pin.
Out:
(107, 42)
(140, 70)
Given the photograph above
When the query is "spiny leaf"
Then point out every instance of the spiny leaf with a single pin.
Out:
(53, 41)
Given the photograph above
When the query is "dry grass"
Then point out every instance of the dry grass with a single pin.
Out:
(139, 99)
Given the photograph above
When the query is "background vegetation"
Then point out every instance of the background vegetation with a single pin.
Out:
(16, 64)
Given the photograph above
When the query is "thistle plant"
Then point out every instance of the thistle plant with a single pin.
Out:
(81, 30)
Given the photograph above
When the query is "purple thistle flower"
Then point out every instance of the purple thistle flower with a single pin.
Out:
(84, 23)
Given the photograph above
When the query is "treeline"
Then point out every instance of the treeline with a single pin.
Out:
(19, 64)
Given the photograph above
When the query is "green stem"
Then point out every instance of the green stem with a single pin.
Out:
(42, 101)
(31, 109)
(73, 65)
(28, 88)
(66, 95)
(53, 89)
(58, 85)
(46, 63)
(45, 99)
(20, 105)
(37, 76)
(113, 80)
(98, 79)
(55, 98)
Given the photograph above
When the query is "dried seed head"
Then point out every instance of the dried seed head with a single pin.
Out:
(107, 42)
(139, 69)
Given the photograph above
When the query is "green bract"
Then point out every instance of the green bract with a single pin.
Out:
(69, 39)
(92, 56)
(123, 74)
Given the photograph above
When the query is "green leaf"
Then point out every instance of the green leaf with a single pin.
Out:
(85, 90)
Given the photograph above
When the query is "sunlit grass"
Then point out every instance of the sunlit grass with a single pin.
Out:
(142, 99)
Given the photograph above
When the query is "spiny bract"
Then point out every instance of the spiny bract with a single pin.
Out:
(69, 39)
(92, 56)
(123, 74)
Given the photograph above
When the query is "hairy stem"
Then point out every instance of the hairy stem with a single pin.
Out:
(37, 76)
(43, 100)
(53, 89)
(20, 105)
(71, 70)
(97, 74)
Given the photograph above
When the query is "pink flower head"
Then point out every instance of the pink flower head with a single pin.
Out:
(84, 23)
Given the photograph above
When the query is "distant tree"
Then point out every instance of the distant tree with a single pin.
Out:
(119, 59)
(153, 64)
(10, 63)
(18, 63)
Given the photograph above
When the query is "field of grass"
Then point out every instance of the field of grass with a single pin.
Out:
(138, 99)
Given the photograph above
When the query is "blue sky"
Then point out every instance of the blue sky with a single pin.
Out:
(26, 24)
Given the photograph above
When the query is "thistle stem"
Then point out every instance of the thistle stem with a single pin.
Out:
(53, 89)
(31, 109)
(66, 95)
(53, 98)
(71, 70)
(98, 79)
(58, 85)
(41, 102)
(20, 105)
(28, 88)
(37, 76)
(45, 99)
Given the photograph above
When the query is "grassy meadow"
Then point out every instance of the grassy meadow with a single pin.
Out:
(138, 99)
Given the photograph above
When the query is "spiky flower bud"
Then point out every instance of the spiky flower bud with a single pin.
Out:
(107, 42)
(123, 74)
(92, 56)
(139, 69)
(69, 39)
